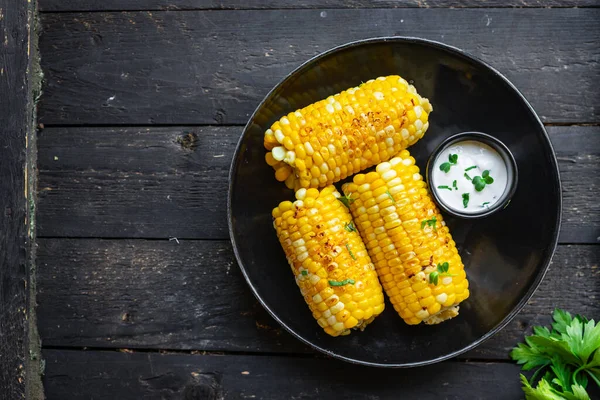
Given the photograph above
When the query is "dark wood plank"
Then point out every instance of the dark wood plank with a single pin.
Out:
(106, 5)
(109, 375)
(165, 295)
(17, 357)
(214, 67)
(172, 182)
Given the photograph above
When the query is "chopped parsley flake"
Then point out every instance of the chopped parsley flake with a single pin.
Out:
(465, 198)
(349, 226)
(342, 283)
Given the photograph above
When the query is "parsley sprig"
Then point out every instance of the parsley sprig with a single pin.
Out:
(481, 181)
(347, 200)
(568, 354)
(429, 222)
(442, 270)
(349, 226)
(452, 160)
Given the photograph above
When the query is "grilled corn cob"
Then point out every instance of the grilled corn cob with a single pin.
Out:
(334, 138)
(414, 254)
(329, 260)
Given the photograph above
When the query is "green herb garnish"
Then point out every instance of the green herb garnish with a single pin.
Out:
(454, 185)
(342, 283)
(470, 168)
(445, 187)
(429, 222)
(390, 195)
(452, 158)
(481, 181)
(484, 204)
(349, 226)
(304, 273)
(465, 198)
(486, 176)
(350, 251)
(347, 200)
(442, 270)
(563, 357)
(466, 176)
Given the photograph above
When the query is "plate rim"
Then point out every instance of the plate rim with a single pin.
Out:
(539, 276)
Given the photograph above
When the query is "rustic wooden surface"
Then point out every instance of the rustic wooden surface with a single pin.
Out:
(93, 5)
(119, 67)
(16, 133)
(142, 110)
(150, 183)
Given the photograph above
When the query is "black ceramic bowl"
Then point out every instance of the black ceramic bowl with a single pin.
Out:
(506, 254)
(503, 151)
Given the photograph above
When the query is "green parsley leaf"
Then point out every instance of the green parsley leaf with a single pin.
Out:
(583, 339)
(347, 200)
(443, 268)
(579, 392)
(452, 158)
(479, 183)
(485, 204)
(569, 352)
(529, 357)
(486, 177)
(349, 226)
(454, 185)
(304, 273)
(429, 222)
(390, 196)
(467, 176)
(470, 168)
(445, 167)
(543, 391)
(342, 283)
(563, 373)
(562, 319)
(465, 198)
(445, 187)
(433, 277)
(350, 251)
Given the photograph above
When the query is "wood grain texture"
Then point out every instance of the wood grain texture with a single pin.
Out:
(15, 115)
(214, 67)
(109, 375)
(172, 182)
(169, 295)
(93, 5)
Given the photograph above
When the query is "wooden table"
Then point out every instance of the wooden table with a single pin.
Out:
(138, 292)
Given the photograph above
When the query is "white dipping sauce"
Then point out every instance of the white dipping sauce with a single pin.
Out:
(455, 189)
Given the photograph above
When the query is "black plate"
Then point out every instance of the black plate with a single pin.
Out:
(506, 255)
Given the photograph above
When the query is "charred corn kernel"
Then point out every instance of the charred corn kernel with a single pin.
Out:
(413, 252)
(330, 262)
(347, 132)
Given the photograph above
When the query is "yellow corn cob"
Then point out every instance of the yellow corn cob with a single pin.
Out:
(408, 241)
(329, 260)
(334, 138)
